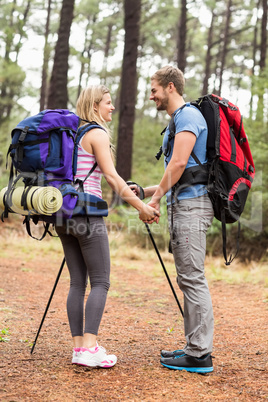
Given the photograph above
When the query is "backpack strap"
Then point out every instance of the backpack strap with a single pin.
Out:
(159, 153)
(80, 133)
(98, 204)
(28, 228)
(193, 175)
(223, 225)
(84, 129)
(172, 129)
(81, 182)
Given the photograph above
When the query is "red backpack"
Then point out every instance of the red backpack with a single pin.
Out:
(230, 169)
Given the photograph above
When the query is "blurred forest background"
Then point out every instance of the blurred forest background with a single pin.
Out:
(50, 49)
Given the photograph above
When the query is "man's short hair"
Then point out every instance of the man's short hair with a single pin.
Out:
(169, 74)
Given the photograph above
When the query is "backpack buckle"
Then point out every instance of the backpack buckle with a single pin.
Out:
(159, 153)
(224, 102)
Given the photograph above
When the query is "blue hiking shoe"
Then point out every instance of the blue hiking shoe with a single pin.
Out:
(201, 365)
(172, 353)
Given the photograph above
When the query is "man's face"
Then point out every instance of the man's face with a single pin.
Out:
(159, 95)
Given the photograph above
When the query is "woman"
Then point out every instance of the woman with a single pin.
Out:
(87, 252)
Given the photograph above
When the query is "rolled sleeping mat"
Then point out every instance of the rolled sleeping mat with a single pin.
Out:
(44, 200)
(2, 199)
(39, 200)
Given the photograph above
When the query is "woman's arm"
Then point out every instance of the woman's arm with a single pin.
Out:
(97, 142)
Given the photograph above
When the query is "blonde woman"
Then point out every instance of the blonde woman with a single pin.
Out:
(87, 252)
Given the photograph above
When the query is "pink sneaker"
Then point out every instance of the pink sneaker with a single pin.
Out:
(95, 357)
(76, 354)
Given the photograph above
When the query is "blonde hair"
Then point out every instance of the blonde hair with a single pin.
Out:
(85, 108)
(169, 74)
(86, 102)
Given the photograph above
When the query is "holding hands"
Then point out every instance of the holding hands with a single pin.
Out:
(150, 212)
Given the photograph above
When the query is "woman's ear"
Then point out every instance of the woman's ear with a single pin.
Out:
(95, 107)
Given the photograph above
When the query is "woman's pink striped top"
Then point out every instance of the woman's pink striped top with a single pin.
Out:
(85, 161)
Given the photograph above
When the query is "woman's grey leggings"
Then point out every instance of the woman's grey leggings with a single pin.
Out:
(87, 255)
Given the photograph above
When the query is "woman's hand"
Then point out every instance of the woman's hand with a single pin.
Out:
(149, 214)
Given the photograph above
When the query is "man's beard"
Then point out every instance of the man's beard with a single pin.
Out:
(163, 103)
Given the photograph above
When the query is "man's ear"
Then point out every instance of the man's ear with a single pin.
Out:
(171, 86)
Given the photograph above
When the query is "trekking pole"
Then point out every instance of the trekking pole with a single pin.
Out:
(156, 249)
(48, 303)
(163, 266)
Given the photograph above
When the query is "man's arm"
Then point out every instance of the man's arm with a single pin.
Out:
(148, 191)
(183, 146)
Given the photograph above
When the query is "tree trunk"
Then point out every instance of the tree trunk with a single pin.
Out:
(20, 29)
(6, 92)
(106, 52)
(225, 42)
(263, 36)
(86, 51)
(128, 91)
(43, 91)
(254, 52)
(58, 92)
(208, 55)
(263, 51)
(181, 38)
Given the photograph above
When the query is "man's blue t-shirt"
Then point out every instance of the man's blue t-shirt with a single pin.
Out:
(189, 118)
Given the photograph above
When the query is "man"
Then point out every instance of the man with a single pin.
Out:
(189, 218)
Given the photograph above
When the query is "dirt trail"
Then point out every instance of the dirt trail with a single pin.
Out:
(141, 318)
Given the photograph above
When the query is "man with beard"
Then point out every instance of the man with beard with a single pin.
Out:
(190, 214)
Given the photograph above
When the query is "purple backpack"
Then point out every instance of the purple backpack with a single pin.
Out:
(44, 153)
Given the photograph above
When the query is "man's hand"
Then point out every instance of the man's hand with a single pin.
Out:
(155, 205)
(149, 214)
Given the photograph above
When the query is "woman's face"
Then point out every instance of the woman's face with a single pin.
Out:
(105, 107)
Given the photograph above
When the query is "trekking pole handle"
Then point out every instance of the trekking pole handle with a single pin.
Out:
(141, 190)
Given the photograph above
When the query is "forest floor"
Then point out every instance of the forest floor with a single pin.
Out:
(141, 317)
